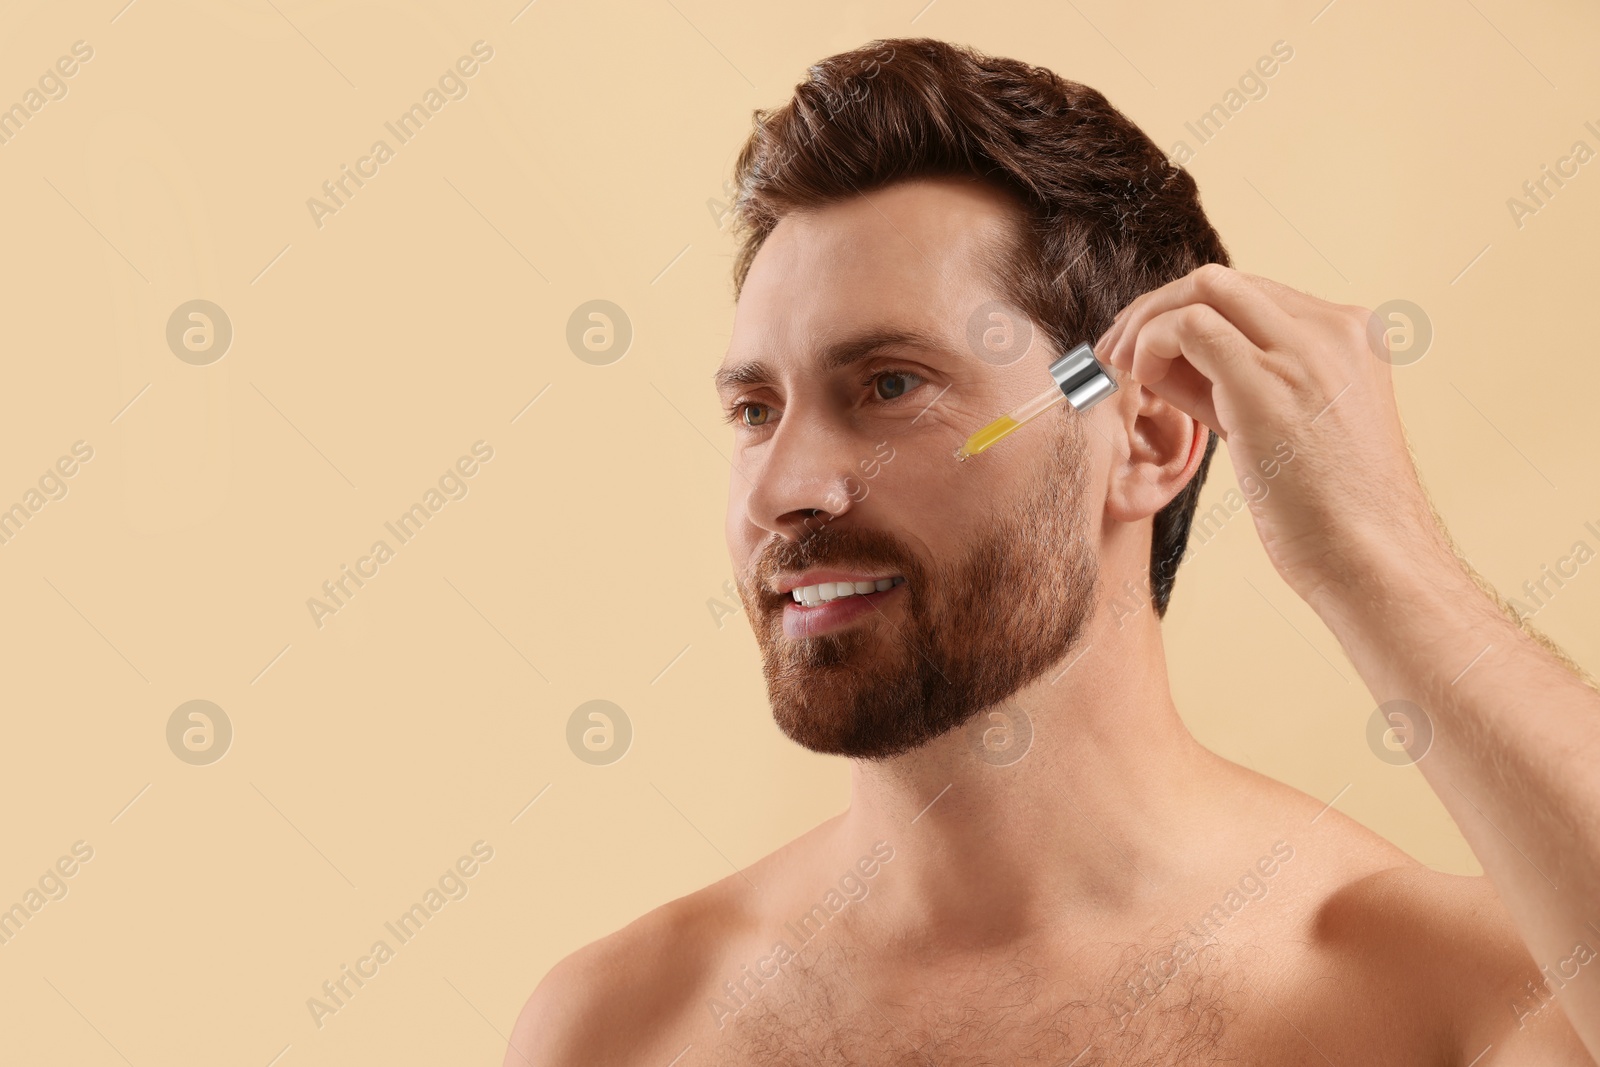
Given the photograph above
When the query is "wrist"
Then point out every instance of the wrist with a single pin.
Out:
(1380, 575)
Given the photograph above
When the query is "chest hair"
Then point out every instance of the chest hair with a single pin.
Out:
(1004, 1011)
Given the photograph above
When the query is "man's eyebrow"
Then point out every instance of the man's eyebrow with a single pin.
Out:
(836, 356)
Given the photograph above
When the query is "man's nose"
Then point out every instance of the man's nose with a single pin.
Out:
(809, 478)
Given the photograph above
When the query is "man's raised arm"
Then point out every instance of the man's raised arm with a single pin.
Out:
(1513, 733)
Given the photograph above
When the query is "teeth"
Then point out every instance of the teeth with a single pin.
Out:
(812, 595)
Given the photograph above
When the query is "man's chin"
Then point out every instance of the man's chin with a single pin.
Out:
(846, 692)
(836, 739)
(874, 724)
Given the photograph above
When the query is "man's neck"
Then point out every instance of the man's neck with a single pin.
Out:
(1087, 820)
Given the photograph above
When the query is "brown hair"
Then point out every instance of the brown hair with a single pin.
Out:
(1105, 216)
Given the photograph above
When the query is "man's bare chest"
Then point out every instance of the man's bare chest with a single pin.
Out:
(1132, 1007)
(1009, 1012)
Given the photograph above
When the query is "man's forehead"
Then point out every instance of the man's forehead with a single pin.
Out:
(902, 265)
(912, 231)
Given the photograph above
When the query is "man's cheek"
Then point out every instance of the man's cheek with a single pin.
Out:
(941, 424)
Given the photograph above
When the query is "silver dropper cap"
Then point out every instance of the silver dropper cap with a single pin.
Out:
(1082, 377)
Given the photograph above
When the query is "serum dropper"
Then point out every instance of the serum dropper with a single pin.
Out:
(1077, 377)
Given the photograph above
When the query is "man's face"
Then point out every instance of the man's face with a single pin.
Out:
(844, 468)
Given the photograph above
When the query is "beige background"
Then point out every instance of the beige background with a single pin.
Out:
(369, 353)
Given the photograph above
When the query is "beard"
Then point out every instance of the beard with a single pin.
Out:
(975, 630)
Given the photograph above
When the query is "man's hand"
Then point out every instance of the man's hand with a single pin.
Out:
(1264, 365)
(1515, 734)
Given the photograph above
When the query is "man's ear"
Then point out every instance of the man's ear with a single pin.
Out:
(1164, 449)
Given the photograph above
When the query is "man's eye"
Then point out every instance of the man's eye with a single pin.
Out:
(897, 385)
(739, 412)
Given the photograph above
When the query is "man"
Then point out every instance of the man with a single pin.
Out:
(1039, 864)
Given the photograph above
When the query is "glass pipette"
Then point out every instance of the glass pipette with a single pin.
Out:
(1078, 378)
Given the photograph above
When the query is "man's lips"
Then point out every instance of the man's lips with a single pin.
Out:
(809, 620)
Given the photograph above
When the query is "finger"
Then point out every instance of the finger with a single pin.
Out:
(1106, 348)
(1296, 303)
(1247, 301)
(1108, 340)
(1250, 307)
(1190, 392)
(1197, 334)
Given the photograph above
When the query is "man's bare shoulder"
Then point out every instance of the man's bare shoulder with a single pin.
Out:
(585, 1009)
(1445, 946)
(607, 1002)
(1440, 949)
